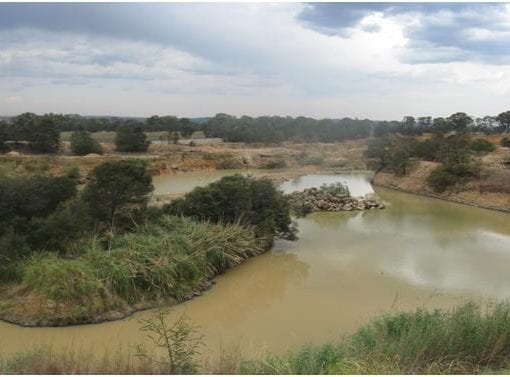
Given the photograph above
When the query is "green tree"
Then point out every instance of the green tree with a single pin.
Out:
(454, 150)
(504, 120)
(459, 121)
(3, 138)
(44, 136)
(82, 143)
(252, 202)
(400, 154)
(25, 203)
(117, 191)
(378, 150)
(131, 138)
(186, 127)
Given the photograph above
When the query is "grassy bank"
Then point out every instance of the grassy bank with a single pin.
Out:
(170, 260)
(467, 339)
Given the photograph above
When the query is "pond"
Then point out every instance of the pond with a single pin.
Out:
(345, 269)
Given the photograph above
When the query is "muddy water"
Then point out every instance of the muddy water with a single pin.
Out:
(345, 269)
(184, 182)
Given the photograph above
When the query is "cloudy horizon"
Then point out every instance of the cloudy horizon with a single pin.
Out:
(332, 60)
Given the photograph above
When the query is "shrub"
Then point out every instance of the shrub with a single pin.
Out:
(82, 143)
(70, 221)
(482, 146)
(426, 150)
(310, 159)
(233, 199)
(26, 201)
(505, 142)
(278, 163)
(131, 138)
(445, 177)
(336, 189)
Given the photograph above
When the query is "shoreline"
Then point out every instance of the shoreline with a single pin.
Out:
(441, 197)
(109, 316)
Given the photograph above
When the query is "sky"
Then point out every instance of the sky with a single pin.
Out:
(323, 60)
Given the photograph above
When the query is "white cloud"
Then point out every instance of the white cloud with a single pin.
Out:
(254, 59)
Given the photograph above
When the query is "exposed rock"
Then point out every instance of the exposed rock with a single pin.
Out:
(316, 200)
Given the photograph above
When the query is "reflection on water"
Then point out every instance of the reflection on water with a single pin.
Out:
(345, 268)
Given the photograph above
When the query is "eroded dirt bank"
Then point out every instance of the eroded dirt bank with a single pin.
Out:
(487, 191)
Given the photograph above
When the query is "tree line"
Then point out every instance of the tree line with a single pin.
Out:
(41, 133)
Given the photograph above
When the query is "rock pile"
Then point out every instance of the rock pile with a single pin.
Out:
(316, 200)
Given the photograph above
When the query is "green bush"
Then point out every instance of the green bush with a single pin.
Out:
(446, 177)
(278, 163)
(82, 143)
(25, 203)
(426, 150)
(131, 138)
(336, 189)
(482, 146)
(70, 222)
(233, 199)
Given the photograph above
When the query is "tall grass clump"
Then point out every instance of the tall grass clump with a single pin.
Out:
(465, 340)
(62, 280)
(171, 258)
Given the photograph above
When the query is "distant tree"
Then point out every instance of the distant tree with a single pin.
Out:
(40, 131)
(44, 136)
(3, 138)
(21, 126)
(424, 122)
(459, 121)
(428, 149)
(454, 150)
(186, 127)
(504, 120)
(131, 138)
(378, 150)
(117, 190)
(82, 143)
(440, 125)
(400, 154)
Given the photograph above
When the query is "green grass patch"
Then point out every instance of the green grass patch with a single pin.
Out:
(169, 259)
(464, 340)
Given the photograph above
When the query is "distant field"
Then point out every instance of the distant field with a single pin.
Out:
(109, 136)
